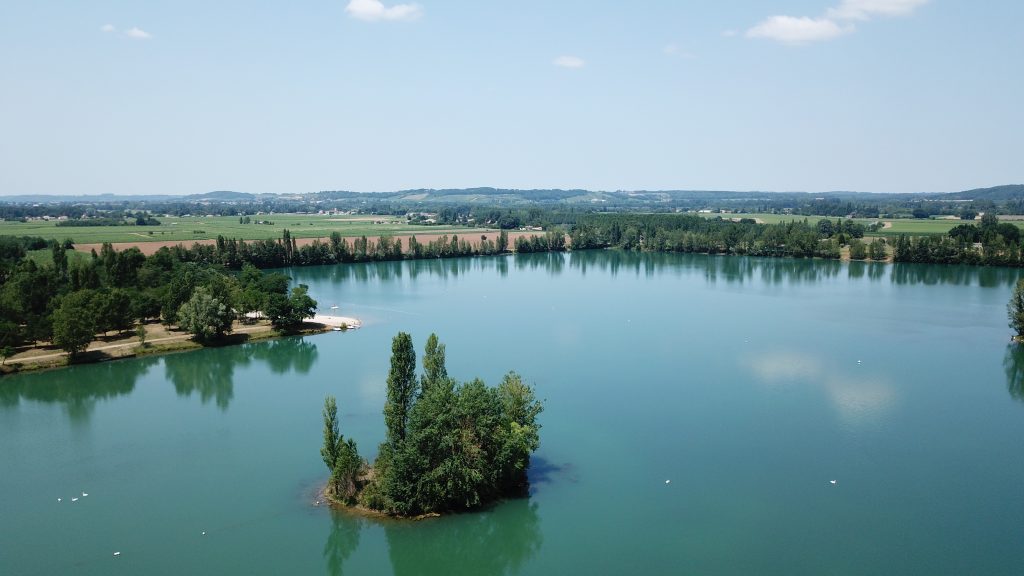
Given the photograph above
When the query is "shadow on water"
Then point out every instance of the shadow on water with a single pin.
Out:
(493, 541)
(543, 471)
(210, 373)
(1013, 364)
(342, 541)
(77, 388)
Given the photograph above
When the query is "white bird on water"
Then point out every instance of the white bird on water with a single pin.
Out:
(74, 499)
(117, 553)
(58, 500)
(668, 481)
(84, 494)
(832, 482)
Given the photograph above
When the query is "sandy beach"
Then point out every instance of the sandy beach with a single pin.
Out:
(338, 321)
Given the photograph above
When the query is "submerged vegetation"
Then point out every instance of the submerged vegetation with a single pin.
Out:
(450, 446)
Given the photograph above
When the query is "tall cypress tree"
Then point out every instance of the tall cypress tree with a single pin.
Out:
(401, 388)
(434, 370)
(329, 451)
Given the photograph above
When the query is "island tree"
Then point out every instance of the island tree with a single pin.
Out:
(450, 446)
(1015, 309)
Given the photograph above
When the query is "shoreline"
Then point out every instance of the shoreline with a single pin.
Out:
(101, 350)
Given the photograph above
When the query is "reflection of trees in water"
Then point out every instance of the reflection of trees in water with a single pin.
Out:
(78, 388)
(287, 354)
(431, 267)
(342, 541)
(1013, 364)
(730, 269)
(496, 541)
(210, 373)
(733, 269)
(984, 276)
(552, 262)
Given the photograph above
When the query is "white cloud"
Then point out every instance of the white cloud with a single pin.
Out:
(107, 28)
(798, 30)
(836, 22)
(865, 9)
(137, 33)
(569, 62)
(858, 398)
(375, 10)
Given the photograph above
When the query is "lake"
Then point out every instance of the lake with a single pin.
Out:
(749, 384)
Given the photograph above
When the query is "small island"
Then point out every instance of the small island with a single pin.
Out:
(451, 446)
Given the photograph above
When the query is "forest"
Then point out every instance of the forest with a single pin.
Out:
(69, 301)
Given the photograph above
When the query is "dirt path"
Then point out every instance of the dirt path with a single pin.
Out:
(129, 343)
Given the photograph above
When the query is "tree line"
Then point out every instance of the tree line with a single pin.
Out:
(450, 445)
(68, 302)
(988, 243)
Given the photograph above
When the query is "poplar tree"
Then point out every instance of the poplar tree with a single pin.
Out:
(329, 451)
(434, 370)
(1015, 309)
(401, 388)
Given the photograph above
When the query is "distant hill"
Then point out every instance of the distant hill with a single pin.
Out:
(222, 195)
(997, 194)
(520, 197)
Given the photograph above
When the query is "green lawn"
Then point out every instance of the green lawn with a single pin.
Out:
(199, 228)
(45, 256)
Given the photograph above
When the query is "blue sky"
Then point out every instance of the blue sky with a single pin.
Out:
(183, 97)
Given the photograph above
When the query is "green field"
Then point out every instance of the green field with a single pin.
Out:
(177, 229)
(899, 226)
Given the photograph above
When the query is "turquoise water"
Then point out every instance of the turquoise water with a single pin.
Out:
(749, 384)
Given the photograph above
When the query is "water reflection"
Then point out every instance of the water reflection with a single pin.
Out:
(287, 354)
(342, 541)
(858, 399)
(210, 373)
(986, 277)
(211, 376)
(714, 268)
(495, 541)
(78, 388)
(1013, 364)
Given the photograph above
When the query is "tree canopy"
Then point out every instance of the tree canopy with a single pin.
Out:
(450, 446)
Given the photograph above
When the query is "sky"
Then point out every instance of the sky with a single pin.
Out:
(184, 97)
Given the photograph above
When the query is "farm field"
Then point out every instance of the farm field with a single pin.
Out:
(189, 229)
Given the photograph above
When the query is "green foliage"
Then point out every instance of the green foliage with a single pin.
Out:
(1015, 308)
(434, 370)
(205, 316)
(73, 323)
(456, 446)
(401, 388)
(340, 455)
(329, 451)
(858, 251)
